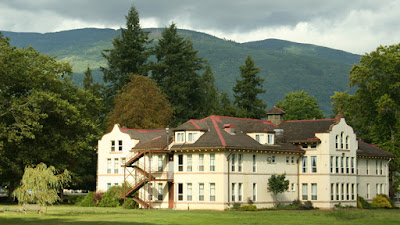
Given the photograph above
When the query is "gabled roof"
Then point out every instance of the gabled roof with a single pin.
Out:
(275, 111)
(304, 130)
(143, 135)
(368, 150)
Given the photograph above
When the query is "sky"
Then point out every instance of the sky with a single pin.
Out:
(356, 26)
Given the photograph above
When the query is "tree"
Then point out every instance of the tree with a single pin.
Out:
(46, 119)
(374, 109)
(246, 91)
(40, 185)
(129, 56)
(226, 106)
(277, 184)
(211, 95)
(140, 105)
(176, 73)
(300, 106)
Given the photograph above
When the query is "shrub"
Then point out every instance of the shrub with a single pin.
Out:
(89, 200)
(112, 198)
(248, 208)
(130, 203)
(381, 201)
(361, 203)
(236, 206)
(249, 201)
(97, 197)
(307, 205)
(73, 199)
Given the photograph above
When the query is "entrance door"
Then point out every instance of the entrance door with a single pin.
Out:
(171, 195)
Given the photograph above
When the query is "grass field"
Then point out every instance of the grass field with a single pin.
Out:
(116, 216)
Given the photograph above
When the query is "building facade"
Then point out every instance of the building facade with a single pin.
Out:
(218, 161)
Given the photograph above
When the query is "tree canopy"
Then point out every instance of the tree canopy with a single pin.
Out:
(300, 106)
(129, 56)
(277, 184)
(374, 109)
(140, 105)
(41, 184)
(44, 117)
(176, 72)
(247, 90)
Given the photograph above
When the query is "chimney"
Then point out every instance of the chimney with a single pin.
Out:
(275, 115)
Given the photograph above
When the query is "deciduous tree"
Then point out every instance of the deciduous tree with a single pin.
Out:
(300, 106)
(140, 105)
(277, 184)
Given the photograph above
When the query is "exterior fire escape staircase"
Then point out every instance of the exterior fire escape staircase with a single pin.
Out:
(142, 177)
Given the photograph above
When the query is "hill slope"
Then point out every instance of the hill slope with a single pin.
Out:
(285, 66)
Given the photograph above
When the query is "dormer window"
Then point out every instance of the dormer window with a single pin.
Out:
(180, 137)
(259, 138)
(271, 140)
(192, 137)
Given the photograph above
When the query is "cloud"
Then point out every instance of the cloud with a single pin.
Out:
(357, 26)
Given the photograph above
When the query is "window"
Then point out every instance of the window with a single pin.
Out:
(313, 164)
(108, 166)
(189, 163)
(331, 164)
(212, 192)
(189, 192)
(337, 191)
(212, 162)
(347, 165)
(377, 189)
(240, 162)
(192, 137)
(332, 191)
(273, 159)
(254, 164)
(352, 165)
(305, 146)
(376, 167)
(116, 164)
(123, 161)
(304, 192)
(313, 145)
(258, 138)
(108, 186)
(233, 160)
(160, 192)
(254, 192)
(233, 192)
(352, 191)
(201, 162)
(380, 167)
(287, 159)
(180, 192)
(115, 184)
(313, 191)
(337, 164)
(368, 191)
(180, 162)
(270, 139)
(120, 146)
(367, 166)
(304, 164)
(292, 159)
(292, 187)
(113, 146)
(347, 142)
(180, 137)
(347, 191)
(240, 192)
(160, 163)
(342, 192)
(342, 164)
(341, 140)
(201, 191)
(337, 141)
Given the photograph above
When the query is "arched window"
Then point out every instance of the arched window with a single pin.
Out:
(337, 141)
(341, 140)
(347, 142)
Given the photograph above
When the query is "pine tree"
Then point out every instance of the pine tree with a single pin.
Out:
(211, 104)
(246, 92)
(129, 55)
(176, 73)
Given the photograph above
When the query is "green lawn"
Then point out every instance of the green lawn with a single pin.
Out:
(82, 215)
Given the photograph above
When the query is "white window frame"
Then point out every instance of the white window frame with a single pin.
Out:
(314, 191)
(270, 139)
(189, 189)
(254, 192)
(113, 145)
(240, 162)
(254, 163)
(120, 145)
(180, 137)
(201, 162)
(233, 192)
(201, 192)
(116, 164)
(180, 191)
(192, 137)
(109, 166)
(313, 164)
(189, 163)
(180, 162)
(304, 164)
(212, 192)
(304, 191)
(160, 163)
(240, 192)
(212, 162)
(160, 193)
(233, 162)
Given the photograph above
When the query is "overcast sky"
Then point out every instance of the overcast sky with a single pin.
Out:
(356, 26)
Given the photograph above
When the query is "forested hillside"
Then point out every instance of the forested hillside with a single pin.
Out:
(285, 66)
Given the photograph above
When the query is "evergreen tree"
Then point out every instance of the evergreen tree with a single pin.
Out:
(129, 55)
(176, 73)
(211, 104)
(226, 108)
(246, 92)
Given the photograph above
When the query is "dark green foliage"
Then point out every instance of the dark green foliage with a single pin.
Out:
(307, 205)
(300, 106)
(129, 55)
(176, 73)
(248, 208)
(131, 204)
(361, 203)
(211, 96)
(88, 200)
(72, 199)
(247, 92)
(277, 184)
(112, 198)
(226, 106)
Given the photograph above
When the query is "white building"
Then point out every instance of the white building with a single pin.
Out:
(217, 161)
